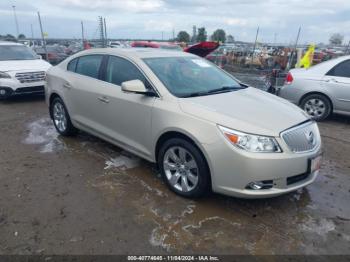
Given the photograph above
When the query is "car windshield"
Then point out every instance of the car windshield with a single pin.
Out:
(16, 52)
(191, 76)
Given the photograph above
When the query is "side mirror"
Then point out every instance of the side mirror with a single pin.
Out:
(134, 86)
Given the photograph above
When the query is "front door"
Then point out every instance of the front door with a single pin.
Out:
(125, 117)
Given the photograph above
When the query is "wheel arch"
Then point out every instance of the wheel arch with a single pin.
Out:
(317, 93)
(179, 134)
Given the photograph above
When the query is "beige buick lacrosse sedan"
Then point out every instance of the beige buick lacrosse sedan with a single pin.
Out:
(204, 129)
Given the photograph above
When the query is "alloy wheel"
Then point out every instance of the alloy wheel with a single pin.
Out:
(59, 117)
(180, 169)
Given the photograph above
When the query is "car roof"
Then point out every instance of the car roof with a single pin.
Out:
(140, 53)
(324, 67)
(9, 43)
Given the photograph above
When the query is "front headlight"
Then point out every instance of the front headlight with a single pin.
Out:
(4, 75)
(251, 143)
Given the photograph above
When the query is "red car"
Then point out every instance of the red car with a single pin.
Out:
(201, 49)
(162, 45)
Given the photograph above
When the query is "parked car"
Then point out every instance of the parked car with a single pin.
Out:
(73, 48)
(201, 49)
(162, 45)
(55, 54)
(21, 70)
(320, 90)
(203, 128)
(218, 57)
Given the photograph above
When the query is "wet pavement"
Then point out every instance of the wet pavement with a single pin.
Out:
(81, 195)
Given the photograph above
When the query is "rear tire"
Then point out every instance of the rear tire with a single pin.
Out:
(61, 118)
(184, 168)
(317, 106)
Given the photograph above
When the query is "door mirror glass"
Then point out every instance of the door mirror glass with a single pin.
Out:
(134, 86)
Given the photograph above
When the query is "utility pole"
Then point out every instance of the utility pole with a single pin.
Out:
(256, 39)
(162, 35)
(102, 33)
(106, 38)
(31, 30)
(82, 33)
(347, 48)
(16, 21)
(274, 38)
(173, 34)
(42, 37)
(289, 64)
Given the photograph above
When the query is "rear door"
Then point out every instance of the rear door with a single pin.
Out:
(81, 90)
(337, 81)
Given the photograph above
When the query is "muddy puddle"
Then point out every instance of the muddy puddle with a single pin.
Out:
(41, 132)
(310, 220)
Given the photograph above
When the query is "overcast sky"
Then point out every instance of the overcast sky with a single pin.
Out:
(148, 18)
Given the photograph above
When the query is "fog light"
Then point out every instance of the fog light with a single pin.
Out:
(258, 185)
(255, 185)
(2, 92)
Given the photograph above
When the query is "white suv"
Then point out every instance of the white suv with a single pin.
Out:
(21, 70)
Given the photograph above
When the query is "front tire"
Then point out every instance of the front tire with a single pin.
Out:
(317, 106)
(184, 168)
(61, 118)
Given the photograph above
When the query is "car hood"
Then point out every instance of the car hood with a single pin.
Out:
(21, 65)
(248, 110)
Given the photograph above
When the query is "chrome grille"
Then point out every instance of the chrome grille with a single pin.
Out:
(30, 77)
(302, 138)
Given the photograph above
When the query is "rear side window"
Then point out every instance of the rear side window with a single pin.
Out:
(120, 70)
(342, 69)
(89, 65)
(72, 65)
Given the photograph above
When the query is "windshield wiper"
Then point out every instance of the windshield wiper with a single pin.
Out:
(214, 91)
(202, 93)
(224, 89)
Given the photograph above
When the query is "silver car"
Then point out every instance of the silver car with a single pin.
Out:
(202, 127)
(321, 89)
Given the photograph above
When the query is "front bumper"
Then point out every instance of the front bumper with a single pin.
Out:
(233, 169)
(11, 87)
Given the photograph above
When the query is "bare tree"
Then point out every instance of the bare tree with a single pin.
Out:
(336, 39)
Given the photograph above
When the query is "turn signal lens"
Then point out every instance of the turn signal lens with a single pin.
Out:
(232, 138)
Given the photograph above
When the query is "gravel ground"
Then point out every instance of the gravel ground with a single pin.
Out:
(84, 196)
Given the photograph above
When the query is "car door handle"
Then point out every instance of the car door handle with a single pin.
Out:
(103, 99)
(67, 85)
(333, 80)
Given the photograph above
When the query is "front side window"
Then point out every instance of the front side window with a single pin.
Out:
(342, 69)
(191, 76)
(120, 70)
(16, 52)
(72, 65)
(89, 65)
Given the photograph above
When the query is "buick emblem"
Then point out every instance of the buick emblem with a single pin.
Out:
(310, 137)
